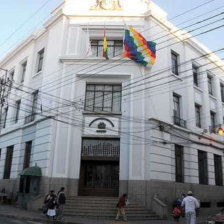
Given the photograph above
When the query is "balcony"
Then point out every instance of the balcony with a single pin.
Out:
(180, 122)
(29, 118)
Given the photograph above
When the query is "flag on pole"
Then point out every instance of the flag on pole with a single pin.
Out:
(138, 49)
(105, 48)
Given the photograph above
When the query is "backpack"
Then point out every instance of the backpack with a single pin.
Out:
(52, 202)
(176, 212)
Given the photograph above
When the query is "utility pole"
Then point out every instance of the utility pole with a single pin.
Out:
(3, 87)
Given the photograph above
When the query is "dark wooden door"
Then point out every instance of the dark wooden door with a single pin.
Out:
(99, 178)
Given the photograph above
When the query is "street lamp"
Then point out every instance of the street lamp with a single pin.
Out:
(220, 131)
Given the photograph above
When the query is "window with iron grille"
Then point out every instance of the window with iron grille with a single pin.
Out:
(18, 102)
(174, 61)
(8, 162)
(210, 85)
(202, 167)
(23, 71)
(222, 91)
(40, 60)
(198, 115)
(218, 170)
(195, 74)
(103, 98)
(115, 48)
(27, 155)
(179, 163)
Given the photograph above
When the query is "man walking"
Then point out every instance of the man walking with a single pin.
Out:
(190, 204)
(61, 202)
(121, 207)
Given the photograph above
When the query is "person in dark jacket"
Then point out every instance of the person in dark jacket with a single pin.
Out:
(121, 207)
(51, 204)
(61, 199)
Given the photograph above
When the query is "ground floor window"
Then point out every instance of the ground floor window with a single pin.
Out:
(179, 163)
(202, 167)
(8, 162)
(218, 170)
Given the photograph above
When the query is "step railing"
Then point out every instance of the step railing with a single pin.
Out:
(159, 207)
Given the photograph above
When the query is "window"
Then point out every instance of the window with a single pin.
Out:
(31, 117)
(4, 117)
(213, 121)
(176, 103)
(8, 162)
(210, 85)
(10, 79)
(202, 167)
(218, 170)
(115, 48)
(198, 115)
(179, 163)
(23, 71)
(174, 61)
(0, 154)
(40, 60)
(18, 102)
(34, 105)
(176, 111)
(100, 97)
(195, 75)
(222, 92)
(27, 155)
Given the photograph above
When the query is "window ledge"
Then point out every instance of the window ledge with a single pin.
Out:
(36, 74)
(176, 76)
(100, 113)
(213, 97)
(197, 88)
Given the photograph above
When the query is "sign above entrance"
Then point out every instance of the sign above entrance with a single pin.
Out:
(101, 126)
(107, 5)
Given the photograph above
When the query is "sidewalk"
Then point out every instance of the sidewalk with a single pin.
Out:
(11, 211)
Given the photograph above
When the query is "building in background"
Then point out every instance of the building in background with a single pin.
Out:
(105, 127)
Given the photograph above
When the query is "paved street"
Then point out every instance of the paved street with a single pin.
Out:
(4, 220)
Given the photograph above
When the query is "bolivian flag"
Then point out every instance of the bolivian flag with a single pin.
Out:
(105, 49)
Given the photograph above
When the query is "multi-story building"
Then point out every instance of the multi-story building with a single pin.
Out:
(104, 127)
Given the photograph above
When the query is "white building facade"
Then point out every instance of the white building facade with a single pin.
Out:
(105, 127)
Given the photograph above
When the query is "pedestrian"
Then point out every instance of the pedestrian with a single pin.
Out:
(61, 199)
(121, 207)
(190, 204)
(45, 204)
(176, 213)
(51, 204)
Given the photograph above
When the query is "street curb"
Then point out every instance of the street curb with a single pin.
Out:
(25, 218)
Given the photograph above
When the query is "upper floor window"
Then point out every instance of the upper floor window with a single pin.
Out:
(198, 115)
(174, 61)
(103, 97)
(31, 117)
(115, 48)
(23, 73)
(210, 84)
(195, 74)
(17, 109)
(222, 91)
(176, 105)
(10, 79)
(40, 60)
(27, 155)
(4, 117)
(213, 121)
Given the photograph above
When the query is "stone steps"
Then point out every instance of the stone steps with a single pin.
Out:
(104, 207)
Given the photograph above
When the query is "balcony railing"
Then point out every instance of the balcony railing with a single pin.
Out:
(29, 118)
(180, 122)
(212, 129)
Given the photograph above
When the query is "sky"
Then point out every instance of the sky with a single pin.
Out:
(18, 18)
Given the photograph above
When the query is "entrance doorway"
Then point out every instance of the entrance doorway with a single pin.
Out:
(99, 173)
